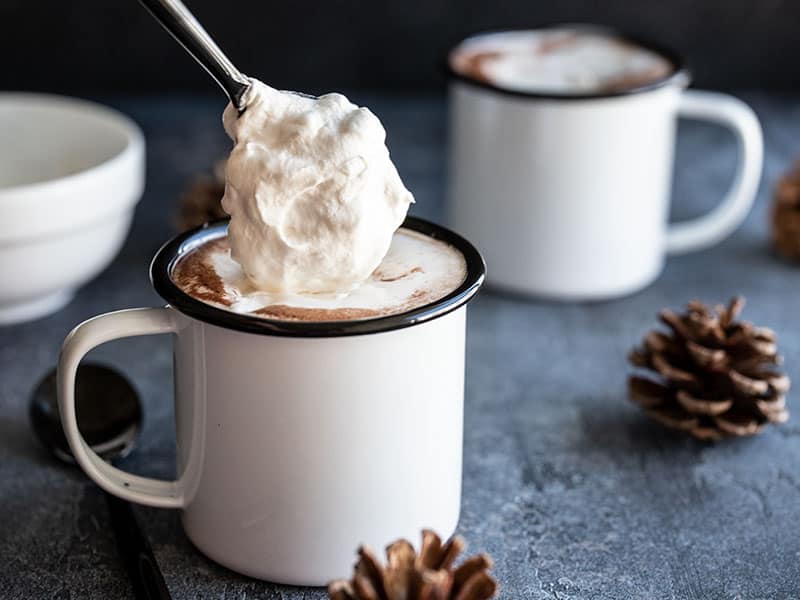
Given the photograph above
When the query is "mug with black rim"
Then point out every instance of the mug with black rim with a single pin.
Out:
(297, 441)
(566, 193)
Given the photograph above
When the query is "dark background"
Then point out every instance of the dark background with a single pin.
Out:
(115, 46)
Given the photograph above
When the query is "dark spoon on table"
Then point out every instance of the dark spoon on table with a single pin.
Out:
(110, 418)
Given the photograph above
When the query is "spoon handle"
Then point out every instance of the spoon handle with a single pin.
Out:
(148, 582)
(181, 24)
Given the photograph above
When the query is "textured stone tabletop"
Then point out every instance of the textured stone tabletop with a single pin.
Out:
(566, 484)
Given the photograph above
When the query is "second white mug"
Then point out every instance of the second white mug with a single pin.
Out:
(567, 195)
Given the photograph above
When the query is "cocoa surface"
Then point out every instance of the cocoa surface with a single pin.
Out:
(630, 81)
(380, 276)
(284, 312)
(474, 65)
(195, 276)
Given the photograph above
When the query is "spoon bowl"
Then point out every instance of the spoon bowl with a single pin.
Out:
(108, 408)
(110, 417)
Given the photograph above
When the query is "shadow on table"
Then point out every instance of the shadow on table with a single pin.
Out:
(189, 573)
(642, 448)
(623, 431)
(18, 440)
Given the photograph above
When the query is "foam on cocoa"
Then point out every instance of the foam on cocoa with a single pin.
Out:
(416, 271)
(197, 276)
(559, 60)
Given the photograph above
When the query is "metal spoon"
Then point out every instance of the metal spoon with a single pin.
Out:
(109, 418)
(181, 24)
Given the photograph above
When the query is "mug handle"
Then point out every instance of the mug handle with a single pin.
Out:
(87, 335)
(712, 228)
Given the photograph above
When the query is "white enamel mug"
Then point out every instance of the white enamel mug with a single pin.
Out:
(567, 196)
(297, 441)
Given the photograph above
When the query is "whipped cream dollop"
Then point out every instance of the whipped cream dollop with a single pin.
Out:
(313, 195)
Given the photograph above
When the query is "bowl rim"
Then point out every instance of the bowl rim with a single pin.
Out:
(120, 122)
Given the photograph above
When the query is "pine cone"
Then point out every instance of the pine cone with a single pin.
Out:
(786, 215)
(428, 575)
(200, 202)
(717, 375)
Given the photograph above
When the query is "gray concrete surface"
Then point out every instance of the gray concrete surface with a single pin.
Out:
(570, 489)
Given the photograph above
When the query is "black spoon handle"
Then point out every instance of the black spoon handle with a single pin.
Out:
(148, 582)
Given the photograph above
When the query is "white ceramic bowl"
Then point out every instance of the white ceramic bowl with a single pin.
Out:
(71, 173)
